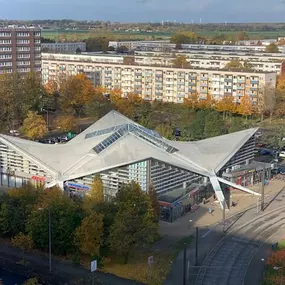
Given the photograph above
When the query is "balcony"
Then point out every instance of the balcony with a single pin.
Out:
(192, 83)
(192, 77)
(228, 79)
(254, 81)
(241, 81)
(204, 84)
(203, 78)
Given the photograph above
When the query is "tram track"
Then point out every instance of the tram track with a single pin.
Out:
(227, 262)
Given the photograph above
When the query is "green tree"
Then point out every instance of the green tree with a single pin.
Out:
(134, 224)
(154, 202)
(234, 64)
(184, 38)
(32, 281)
(272, 48)
(197, 125)
(65, 218)
(214, 125)
(89, 235)
(34, 126)
(236, 124)
(165, 130)
(24, 242)
(15, 208)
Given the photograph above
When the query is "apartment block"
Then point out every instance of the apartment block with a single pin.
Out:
(160, 83)
(214, 60)
(20, 49)
(71, 47)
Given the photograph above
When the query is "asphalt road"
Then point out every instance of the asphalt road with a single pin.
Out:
(228, 261)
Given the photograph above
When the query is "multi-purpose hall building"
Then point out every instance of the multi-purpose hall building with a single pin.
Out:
(20, 49)
(159, 83)
(121, 151)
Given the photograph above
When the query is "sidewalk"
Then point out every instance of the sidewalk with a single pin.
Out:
(172, 232)
(63, 272)
(210, 236)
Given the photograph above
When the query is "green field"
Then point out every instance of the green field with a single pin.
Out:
(84, 34)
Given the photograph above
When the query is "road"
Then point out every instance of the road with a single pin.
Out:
(227, 262)
(11, 278)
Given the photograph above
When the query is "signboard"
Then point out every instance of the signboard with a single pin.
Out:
(77, 186)
(38, 178)
(150, 260)
(93, 266)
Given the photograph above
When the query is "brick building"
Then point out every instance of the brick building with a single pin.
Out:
(20, 49)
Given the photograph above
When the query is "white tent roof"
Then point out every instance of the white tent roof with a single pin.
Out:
(78, 157)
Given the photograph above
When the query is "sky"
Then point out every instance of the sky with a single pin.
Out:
(146, 10)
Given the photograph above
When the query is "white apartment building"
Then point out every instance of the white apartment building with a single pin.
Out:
(143, 45)
(69, 47)
(164, 84)
(260, 62)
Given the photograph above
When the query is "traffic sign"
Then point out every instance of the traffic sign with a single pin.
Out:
(93, 265)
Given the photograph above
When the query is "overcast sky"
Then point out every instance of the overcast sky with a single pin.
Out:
(146, 10)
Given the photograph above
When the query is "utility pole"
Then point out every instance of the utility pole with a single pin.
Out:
(49, 238)
(184, 265)
(224, 215)
(197, 246)
(262, 189)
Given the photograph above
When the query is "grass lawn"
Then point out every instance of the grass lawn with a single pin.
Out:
(138, 268)
(281, 244)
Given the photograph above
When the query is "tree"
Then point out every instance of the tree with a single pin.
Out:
(280, 97)
(245, 106)
(134, 224)
(154, 202)
(234, 64)
(34, 126)
(24, 242)
(65, 218)
(266, 101)
(197, 125)
(97, 44)
(272, 48)
(65, 123)
(184, 38)
(226, 105)
(89, 235)
(191, 101)
(165, 130)
(95, 195)
(181, 62)
(122, 49)
(76, 91)
(236, 124)
(32, 281)
(78, 51)
(207, 103)
(15, 208)
(214, 125)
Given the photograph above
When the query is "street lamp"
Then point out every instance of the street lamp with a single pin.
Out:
(45, 110)
(49, 235)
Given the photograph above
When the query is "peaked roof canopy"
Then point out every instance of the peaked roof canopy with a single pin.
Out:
(115, 140)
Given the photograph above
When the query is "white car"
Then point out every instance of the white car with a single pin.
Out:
(282, 154)
(14, 133)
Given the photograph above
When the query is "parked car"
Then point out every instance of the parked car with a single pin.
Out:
(281, 171)
(14, 133)
(282, 153)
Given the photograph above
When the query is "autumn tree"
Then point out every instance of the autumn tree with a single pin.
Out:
(65, 123)
(95, 195)
(272, 48)
(207, 103)
(34, 126)
(181, 62)
(134, 224)
(226, 105)
(280, 97)
(24, 242)
(245, 107)
(89, 235)
(32, 281)
(154, 202)
(266, 101)
(51, 87)
(191, 101)
(75, 92)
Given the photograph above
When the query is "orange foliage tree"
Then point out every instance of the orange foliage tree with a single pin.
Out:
(207, 103)
(226, 105)
(245, 107)
(51, 87)
(191, 101)
(76, 91)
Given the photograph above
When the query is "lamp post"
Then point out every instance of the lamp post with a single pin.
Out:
(49, 236)
(45, 110)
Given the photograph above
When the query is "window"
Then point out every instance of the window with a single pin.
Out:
(3, 42)
(5, 34)
(23, 41)
(21, 34)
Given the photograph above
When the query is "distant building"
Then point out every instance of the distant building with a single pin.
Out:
(142, 45)
(20, 49)
(160, 83)
(71, 47)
